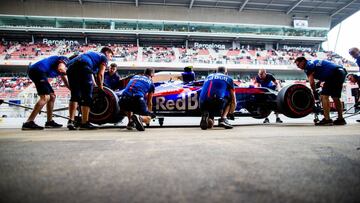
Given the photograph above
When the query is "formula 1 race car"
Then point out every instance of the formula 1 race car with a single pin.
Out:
(176, 99)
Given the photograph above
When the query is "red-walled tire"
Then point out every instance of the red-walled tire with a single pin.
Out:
(295, 101)
(105, 108)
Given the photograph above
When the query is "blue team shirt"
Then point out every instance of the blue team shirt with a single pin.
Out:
(111, 81)
(188, 76)
(323, 70)
(139, 85)
(92, 59)
(267, 82)
(49, 65)
(358, 61)
(216, 85)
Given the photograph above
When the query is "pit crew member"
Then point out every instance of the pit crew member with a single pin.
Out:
(267, 80)
(81, 80)
(39, 73)
(112, 78)
(333, 76)
(137, 99)
(217, 96)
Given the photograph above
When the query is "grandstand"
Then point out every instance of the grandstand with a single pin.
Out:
(243, 35)
(14, 51)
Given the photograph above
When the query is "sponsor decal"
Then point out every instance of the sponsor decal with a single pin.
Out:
(181, 102)
(300, 48)
(59, 42)
(209, 46)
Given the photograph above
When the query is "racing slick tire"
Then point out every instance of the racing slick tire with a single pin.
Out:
(105, 108)
(295, 101)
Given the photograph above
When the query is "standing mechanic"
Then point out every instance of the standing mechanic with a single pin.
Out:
(333, 76)
(139, 89)
(267, 80)
(39, 73)
(217, 96)
(80, 73)
(188, 75)
(355, 53)
(355, 79)
(112, 78)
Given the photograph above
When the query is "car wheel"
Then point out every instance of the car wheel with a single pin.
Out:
(105, 106)
(295, 101)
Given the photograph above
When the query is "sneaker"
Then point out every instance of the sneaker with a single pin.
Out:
(266, 120)
(71, 125)
(278, 120)
(223, 122)
(31, 125)
(130, 125)
(231, 116)
(87, 126)
(325, 122)
(340, 122)
(138, 123)
(52, 124)
(204, 121)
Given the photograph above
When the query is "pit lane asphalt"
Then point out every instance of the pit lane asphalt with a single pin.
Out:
(293, 162)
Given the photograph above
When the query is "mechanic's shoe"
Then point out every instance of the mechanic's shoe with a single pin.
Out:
(278, 120)
(31, 125)
(52, 124)
(204, 121)
(130, 125)
(325, 122)
(138, 123)
(87, 126)
(339, 122)
(231, 116)
(71, 125)
(266, 120)
(223, 122)
(210, 123)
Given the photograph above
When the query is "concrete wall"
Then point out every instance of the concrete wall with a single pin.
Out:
(125, 11)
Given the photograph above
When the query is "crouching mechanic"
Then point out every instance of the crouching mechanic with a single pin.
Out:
(139, 89)
(80, 73)
(39, 73)
(267, 80)
(333, 76)
(217, 96)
